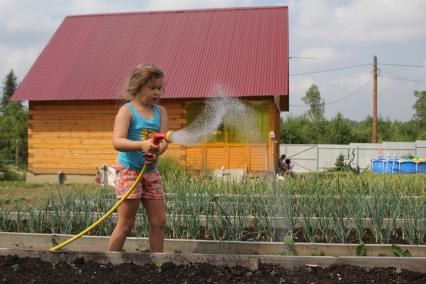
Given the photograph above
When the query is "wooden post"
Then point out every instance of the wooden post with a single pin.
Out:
(17, 152)
(375, 102)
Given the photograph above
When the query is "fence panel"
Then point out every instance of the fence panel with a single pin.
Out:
(303, 156)
(322, 157)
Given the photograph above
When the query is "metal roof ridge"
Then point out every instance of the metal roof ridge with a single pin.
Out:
(180, 11)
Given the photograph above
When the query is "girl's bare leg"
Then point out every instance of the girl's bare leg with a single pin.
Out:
(157, 221)
(126, 220)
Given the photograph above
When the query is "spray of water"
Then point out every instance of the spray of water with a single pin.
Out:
(220, 108)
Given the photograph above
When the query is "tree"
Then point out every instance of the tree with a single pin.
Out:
(420, 107)
(13, 123)
(295, 130)
(9, 86)
(339, 130)
(13, 127)
(316, 105)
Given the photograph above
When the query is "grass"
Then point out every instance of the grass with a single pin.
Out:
(35, 194)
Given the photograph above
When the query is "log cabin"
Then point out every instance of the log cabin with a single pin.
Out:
(74, 88)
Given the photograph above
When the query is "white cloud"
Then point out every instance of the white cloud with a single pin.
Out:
(17, 59)
(322, 56)
(354, 81)
(362, 20)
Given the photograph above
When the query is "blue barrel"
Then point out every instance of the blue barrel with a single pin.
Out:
(421, 167)
(378, 166)
(408, 167)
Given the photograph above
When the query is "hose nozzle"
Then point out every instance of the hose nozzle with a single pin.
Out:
(158, 137)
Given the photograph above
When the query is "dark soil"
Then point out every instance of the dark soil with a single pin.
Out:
(27, 270)
(396, 237)
(250, 234)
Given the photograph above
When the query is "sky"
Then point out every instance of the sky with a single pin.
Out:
(323, 35)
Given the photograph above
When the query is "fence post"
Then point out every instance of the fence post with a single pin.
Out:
(17, 152)
(317, 158)
(357, 156)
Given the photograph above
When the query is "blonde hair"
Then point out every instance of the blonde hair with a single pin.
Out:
(141, 75)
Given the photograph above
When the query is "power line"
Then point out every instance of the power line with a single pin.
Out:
(402, 65)
(396, 77)
(350, 95)
(341, 99)
(332, 69)
(403, 79)
(301, 57)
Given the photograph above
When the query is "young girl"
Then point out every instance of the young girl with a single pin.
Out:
(136, 122)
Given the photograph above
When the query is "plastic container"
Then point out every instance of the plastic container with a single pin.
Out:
(394, 166)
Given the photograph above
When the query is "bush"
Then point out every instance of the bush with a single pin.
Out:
(340, 164)
(8, 172)
(169, 166)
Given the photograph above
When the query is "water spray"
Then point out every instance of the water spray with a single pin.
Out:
(156, 140)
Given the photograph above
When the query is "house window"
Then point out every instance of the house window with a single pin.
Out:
(256, 131)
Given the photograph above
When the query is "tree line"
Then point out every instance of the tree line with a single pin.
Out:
(312, 127)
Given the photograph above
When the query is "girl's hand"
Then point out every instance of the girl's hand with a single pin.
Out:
(148, 147)
(150, 159)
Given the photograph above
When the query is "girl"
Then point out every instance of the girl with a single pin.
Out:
(136, 122)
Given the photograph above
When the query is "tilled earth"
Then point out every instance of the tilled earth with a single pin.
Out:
(29, 270)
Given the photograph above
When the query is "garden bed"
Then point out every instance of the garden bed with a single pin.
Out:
(42, 267)
(99, 244)
(237, 228)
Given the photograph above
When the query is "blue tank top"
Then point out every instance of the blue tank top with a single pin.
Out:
(139, 129)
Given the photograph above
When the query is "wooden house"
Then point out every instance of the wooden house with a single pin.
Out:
(74, 86)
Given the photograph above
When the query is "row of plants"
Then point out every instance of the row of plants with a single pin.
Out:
(312, 183)
(322, 203)
(323, 216)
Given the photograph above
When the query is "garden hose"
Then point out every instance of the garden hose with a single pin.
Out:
(158, 137)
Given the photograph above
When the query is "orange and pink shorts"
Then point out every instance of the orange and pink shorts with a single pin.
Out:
(150, 186)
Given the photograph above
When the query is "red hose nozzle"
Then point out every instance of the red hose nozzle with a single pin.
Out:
(158, 137)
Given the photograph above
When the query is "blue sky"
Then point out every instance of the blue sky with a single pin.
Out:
(324, 34)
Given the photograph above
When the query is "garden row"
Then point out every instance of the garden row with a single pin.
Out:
(230, 227)
(333, 208)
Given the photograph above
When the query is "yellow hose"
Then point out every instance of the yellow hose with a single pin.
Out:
(88, 229)
(156, 140)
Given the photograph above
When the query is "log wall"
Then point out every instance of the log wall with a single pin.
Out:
(75, 137)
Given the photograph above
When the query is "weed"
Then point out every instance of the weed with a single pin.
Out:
(398, 251)
(290, 245)
(361, 250)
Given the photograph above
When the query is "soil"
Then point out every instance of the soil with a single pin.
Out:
(28, 270)
(395, 238)
(298, 236)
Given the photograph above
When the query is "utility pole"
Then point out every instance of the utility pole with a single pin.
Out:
(375, 101)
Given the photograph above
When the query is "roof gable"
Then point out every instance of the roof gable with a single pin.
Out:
(89, 57)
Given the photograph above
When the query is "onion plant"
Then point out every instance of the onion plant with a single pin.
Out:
(327, 204)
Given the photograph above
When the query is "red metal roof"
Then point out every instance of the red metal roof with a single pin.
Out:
(90, 56)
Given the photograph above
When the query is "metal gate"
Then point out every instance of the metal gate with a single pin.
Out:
(303, 156)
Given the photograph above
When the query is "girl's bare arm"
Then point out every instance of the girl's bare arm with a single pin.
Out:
(164, 127)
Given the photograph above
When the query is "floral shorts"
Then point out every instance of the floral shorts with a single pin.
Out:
(150, 186)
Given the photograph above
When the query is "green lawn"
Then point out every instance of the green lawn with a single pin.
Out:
(13, 193)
